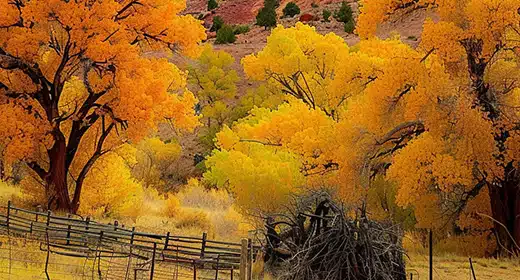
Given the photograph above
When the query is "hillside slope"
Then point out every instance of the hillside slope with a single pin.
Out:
(244, 11)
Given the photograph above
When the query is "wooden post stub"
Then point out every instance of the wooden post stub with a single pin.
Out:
(431, 254)
(153, 260)
(250, 259)
(132, 237)
(203, 247)
(243, 260)
(166, 241)
(48, 219)
(8, 212)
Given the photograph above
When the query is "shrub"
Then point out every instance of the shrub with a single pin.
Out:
(173, 205)
(291, 9)
(218, 22)
(350, 26)
(344, 14)
(226, 35)
(272, 3)
(326, 15)
(241, 29)
(314, 5)
(8, 192)
(212, 4)
(266, 17)
(192, 218)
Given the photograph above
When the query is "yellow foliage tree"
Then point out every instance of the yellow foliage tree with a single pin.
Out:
(216, 88)
(75, 83)
(405, 116)
(477, 41)
(153, 158)
(302, 64)
(110, 190)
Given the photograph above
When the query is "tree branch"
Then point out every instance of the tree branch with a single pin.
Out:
(38, 169)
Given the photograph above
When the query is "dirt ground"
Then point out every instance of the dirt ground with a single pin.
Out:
(457, 268)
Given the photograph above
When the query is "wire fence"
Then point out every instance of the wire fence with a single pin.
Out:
(42, 245)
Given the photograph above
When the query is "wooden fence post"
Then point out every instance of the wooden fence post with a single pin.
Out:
(216, 270)
(49, 213)
(153, 260)
(431, 254)
(243, 260)
(132, 237)
(194, 271)
(68, 231)
(166, 241)
(472, 270)
(8, 212)
(250, 259)
(87, 221)
(203, 246)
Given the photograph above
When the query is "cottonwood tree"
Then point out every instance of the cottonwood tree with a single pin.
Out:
(380, 108)
(78, 78)
(478, 42)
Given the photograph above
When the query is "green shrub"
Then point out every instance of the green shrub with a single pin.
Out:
(241, 29)
(266, 17)
(350, 26)
(326, 15)
(218, 22)
(225, 35)
(344, 14)
(314, 5)
(291, 9)
(272, 3)
(212, 4)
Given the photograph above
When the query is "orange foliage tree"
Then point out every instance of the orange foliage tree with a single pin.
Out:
(79, 78)
(478, 41)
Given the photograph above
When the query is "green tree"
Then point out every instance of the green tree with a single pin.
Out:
(212, 4)
(349, 26)
(218, 22)
(291, 9)
(344, 14)
(326, 15)
(226, 35)
(267, 15)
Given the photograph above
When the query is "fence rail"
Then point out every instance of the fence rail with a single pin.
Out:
(85, 238)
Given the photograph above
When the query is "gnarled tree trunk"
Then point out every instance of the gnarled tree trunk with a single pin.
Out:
(504, 195)
(505, 206)
(56, 180)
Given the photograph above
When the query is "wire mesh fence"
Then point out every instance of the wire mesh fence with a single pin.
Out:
(41, 245)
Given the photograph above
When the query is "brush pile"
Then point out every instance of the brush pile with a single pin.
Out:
(329, 245)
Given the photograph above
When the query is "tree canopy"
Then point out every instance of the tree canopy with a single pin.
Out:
(79, 78)
(382, 108)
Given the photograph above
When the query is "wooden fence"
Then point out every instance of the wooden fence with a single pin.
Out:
(85, 238)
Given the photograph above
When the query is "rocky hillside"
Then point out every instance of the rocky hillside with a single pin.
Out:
(244, 11)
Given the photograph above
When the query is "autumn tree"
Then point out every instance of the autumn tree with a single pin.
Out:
(153, 158)
(379, 110)
(214, 83)
(75, 83)
(478, 43)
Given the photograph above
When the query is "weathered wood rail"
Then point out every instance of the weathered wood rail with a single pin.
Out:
(77, 237)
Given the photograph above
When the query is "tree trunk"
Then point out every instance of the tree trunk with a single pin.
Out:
(505, 195)
(505, 206)
(57, 188)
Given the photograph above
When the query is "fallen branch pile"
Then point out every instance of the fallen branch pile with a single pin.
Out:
(333, 246)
